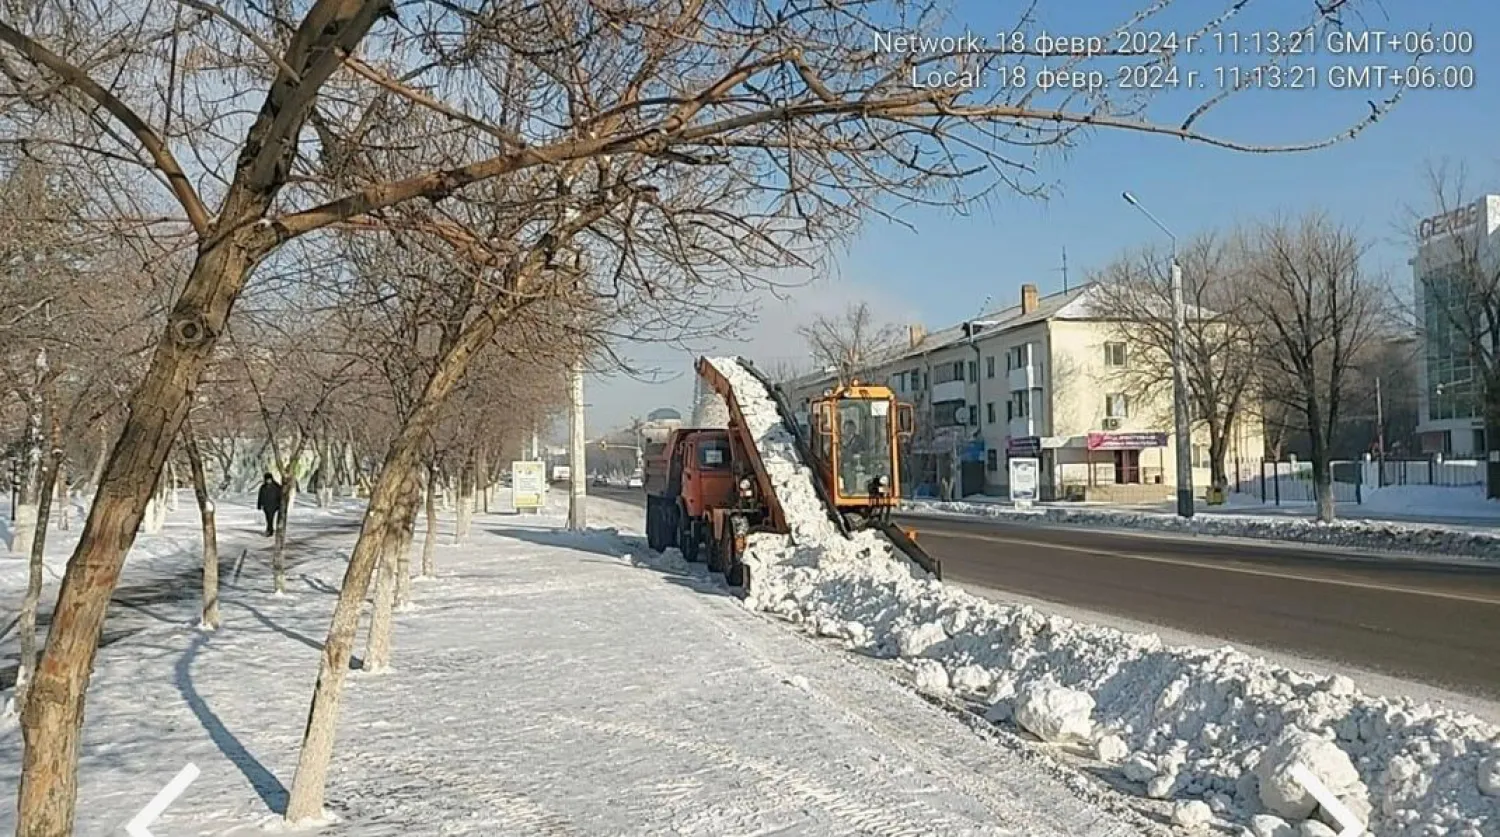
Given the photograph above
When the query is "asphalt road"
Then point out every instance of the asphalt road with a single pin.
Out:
(1435, 624)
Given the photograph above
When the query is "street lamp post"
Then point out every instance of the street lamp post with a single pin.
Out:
(1179, 374)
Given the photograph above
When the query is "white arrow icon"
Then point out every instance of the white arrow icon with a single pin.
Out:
(166, 796)
(1350, 824)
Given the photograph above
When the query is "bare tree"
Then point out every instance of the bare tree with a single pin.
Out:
(850, 344)
(1219, 352)
(1315, 310)
(787, 128)
(1458, 305)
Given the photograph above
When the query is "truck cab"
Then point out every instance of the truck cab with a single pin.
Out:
(693, 474)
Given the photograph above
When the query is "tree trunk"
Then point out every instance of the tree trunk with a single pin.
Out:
(403, 547)
(24, 528)
(171, 485)
(306, 800)
(378, 648)
(1322, 471)
(48, 478)
(429, 538)
(64, 495)
(52, 718)
(1218, 452)
(97, 475)
(465, 514)
(152, 525)
(482, 473)
(210, 620)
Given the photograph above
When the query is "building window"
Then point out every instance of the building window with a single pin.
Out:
(1022, 400)
(1018, 357)
(973, 371)
(1116, 406)
(992, 460)
(1114, 354)
(989, 412)
(916, 379)
(973, 415)
(989, 366)
(958, 370)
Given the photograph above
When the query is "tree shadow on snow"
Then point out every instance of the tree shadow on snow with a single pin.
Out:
(270, 789)
(598, 543)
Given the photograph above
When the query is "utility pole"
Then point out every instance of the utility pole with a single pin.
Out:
(577, 453)
(1183, 427)
(1379, 435)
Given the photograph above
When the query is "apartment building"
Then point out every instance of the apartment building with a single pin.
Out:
(1044, 379)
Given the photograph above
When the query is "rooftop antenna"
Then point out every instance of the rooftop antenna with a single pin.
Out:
(1065, 268)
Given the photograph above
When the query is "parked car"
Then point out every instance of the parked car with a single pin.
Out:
(634, 482)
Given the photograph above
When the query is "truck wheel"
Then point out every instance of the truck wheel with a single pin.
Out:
(653, 537)
(717, 555)
(687, 539)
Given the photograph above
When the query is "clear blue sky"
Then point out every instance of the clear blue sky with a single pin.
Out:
(943, 272)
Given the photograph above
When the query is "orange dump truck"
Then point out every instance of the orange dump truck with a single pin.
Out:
(707, 489)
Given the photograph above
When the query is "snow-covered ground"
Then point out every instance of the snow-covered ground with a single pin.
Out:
(1216, 731)
(543, 683)
(1399, 518)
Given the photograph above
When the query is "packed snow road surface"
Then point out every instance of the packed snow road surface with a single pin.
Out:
(542, 685)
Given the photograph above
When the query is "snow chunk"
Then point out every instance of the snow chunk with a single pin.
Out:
(1284, 795)
(913, 642)
(1192, 814)
(972, 680)
(931, 677)
(1055, 714)
(1266, 825)
(1111, 749)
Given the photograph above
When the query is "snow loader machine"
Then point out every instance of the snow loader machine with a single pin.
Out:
(707, 489)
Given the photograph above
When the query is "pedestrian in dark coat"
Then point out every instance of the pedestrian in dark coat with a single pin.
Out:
(269, 501)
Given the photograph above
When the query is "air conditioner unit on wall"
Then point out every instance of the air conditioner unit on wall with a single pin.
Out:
(1111, 424)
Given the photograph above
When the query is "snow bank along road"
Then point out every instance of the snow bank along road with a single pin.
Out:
(1219, 734)
(1435, 623)
(542, 685)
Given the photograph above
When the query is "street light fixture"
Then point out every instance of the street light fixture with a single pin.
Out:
(1183, 428)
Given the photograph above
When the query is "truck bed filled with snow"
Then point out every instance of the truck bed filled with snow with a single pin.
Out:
(1216, 731)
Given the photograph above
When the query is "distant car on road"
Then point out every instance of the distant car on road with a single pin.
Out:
(600, 481)
(634, 482)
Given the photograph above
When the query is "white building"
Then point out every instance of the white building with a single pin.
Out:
(1450, 406)
(1041, 379)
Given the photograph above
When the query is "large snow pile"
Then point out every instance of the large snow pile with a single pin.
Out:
(1213, 727)
(1362, 534)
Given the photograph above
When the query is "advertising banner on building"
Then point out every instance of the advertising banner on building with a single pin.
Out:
(1126, 441)
(1023, 481)
(1023, 445)
(528, 485)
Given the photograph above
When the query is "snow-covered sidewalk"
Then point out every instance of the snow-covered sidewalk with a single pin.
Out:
(543, 684)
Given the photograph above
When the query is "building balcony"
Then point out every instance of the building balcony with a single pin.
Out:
(949, 391)
(1025, 377)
